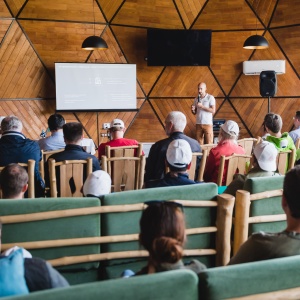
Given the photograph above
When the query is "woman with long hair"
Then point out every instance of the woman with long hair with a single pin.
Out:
(162, 234)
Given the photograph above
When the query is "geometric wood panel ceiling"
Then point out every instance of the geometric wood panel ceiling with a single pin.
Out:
(35, 34)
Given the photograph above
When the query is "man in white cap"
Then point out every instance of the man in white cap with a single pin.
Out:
(178, 159)
(264, 164)
(227, 146)
(116, 130)
(97, 184)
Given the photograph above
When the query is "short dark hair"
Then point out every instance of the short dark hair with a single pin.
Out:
(12, 180)
(56, 121)
(297, 115)
(273, 122)
(291, 190)
(73, 131)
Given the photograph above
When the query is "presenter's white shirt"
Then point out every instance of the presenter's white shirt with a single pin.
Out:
(205, 117)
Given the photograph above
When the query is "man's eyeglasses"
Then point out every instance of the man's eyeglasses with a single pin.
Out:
(163, 202)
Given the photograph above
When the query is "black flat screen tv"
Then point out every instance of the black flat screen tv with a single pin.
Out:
(174, 47)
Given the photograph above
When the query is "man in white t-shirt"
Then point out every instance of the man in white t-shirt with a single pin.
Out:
(204, 107)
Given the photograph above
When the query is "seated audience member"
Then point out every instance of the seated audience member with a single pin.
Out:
(116, 130)
(266, 245)
(264, 164)
(178, 159)
(162, 234)
(295, 134)
(97, 184)
(174, 126)
(16, 148)
(13, 182)
(227, 146)
(73, 134)
(56, 140)
(272, 126)
(38, 274)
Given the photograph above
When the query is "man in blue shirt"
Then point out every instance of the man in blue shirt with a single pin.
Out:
(178, 159)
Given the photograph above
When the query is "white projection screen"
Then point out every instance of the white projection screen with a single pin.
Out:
(98, 87)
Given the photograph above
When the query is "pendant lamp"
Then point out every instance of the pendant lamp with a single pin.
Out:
(256, 41)
(94, 42)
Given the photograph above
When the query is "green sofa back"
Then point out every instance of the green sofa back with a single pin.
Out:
(250, 278)
(175, 285)
(53, 229)
(268, 206)
(128, 223)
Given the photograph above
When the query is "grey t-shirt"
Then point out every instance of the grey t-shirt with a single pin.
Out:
(264, 245)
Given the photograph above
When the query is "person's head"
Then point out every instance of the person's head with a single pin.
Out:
(179, 155)
(175, 122)
(13, 181)
(297, 119)
(1, 119)
(162, 231)
(97, 184)
(229, 131)
(273, 123)
(266, 156)
(291, 192)
(56, 122)
(202, 88)
(11, 123)
(73, 132)
(117, 128)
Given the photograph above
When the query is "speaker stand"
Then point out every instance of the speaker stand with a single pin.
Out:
(269, 104)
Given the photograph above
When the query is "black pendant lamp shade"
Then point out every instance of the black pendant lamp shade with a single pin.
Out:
(256, 42)
(93, 43)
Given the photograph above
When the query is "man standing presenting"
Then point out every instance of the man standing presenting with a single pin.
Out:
(204, 108)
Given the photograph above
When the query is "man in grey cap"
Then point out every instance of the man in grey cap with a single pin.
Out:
(116, 130)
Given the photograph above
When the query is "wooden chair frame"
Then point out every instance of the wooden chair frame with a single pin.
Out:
(45, 156)
(224, 204)
(242, 217)
(235, 161)
(286, 161)
(31, 182)
(130, 180)
(68, 169)
(248, 144)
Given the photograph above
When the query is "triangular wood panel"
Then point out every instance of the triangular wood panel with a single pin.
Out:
(286, 13)
(4, 12)
(79, 10)
(59, 42)
(264, 9)
(224, 15)
(189, 10)
(109, 7)
(5, 25)
(146, 126)
(158, 13)
(133, 43)
(289, 39)
(23, 76)
(183, 82)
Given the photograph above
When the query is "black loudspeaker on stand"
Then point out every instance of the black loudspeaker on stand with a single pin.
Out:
(268, 85)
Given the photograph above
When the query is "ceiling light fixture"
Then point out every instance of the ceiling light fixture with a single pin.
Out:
(94, 42)
(256, 41)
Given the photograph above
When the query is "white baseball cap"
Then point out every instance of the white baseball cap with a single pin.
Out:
(117, 123)
(179, 153)
(231, 127)
(266, 155)
(97, 183)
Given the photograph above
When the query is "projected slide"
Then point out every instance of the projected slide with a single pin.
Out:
(89, 86)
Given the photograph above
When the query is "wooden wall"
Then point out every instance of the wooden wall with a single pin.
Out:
(36, 33)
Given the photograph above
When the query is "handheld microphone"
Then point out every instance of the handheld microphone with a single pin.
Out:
(198, 98)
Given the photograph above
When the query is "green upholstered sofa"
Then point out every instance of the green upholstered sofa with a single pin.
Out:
(250, 278)
(258, 208)
(175, 285)
(74, 227)
(196, 217)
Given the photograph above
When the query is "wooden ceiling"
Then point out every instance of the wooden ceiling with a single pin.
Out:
(35, 34)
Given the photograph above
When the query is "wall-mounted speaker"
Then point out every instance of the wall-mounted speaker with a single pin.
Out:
(267, 83)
